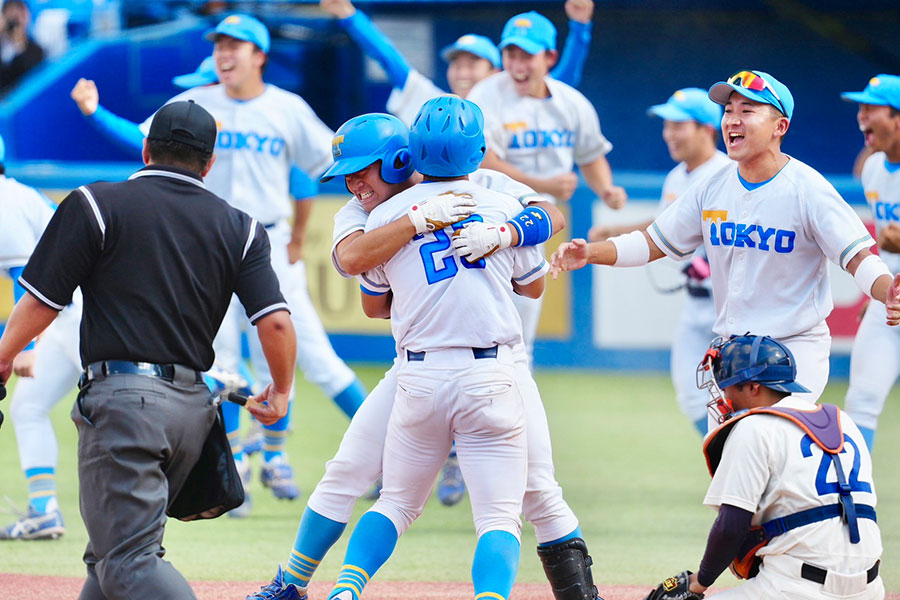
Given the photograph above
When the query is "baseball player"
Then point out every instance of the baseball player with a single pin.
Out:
(690, 129)
(263, 131)
(381, 140)
(875, 359)
(538, 128)
(47, 370)
(792, 484)
(469, 59)
(768, 223)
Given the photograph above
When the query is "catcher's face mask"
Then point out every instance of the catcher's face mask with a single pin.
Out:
(718, 406)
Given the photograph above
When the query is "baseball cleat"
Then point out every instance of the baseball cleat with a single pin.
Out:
(35, 526)
(279, 477)
(278, 590)
(451, 487)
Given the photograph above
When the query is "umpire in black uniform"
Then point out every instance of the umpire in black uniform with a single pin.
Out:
(157, 258)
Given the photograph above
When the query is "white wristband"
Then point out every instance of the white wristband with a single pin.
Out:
(868, 271)
(632, 249)
(417, 216)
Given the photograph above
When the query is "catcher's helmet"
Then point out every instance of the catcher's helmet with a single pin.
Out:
(447, 137)
(365, 139)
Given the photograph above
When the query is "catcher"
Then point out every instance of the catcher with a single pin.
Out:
(792, 485)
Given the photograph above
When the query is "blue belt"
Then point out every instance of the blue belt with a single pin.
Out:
(270, 225)
(105, 368)
(698, 292)
(476, 352)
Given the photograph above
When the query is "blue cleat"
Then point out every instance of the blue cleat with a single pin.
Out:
(278, 476)
(278, 590)
(451, 487)
(35, 526)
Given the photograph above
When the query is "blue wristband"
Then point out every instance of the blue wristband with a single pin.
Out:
(534, 226)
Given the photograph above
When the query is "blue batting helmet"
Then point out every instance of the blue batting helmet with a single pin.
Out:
(365, 139)
(447, 137)
(756, 358)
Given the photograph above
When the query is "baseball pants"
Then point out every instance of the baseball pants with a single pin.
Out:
(874, 366)
(452, 396)
(529, 310)
(56, 370)
(779, 579)
(692, 337)
(138, 438)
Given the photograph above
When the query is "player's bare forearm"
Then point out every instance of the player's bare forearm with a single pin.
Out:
(598, 175)
(360, 252)
(28, 319)
(530, 290)
(377, 307)
(556, 216)
(889, 238)
(279, 344)
(302, 210)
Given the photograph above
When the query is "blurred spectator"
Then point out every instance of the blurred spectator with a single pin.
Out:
(18, 52)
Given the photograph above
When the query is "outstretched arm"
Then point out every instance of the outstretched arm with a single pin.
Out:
(598, 175)
(629, 250)
(571, 63)
(123, 131)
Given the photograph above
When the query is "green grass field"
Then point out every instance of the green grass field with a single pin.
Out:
(629, 462)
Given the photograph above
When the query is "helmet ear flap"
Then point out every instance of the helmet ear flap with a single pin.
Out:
(397, 167)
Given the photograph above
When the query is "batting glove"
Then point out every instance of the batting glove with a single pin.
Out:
(441, 211)
(477, 240)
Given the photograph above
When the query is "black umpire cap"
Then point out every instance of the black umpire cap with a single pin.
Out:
(184, 122)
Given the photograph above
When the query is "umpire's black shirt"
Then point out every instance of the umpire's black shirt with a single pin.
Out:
(157, 258)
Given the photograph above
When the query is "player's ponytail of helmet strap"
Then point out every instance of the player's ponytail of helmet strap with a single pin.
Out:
(868, 272)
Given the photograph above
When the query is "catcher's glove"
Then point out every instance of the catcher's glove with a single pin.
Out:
(674, 588)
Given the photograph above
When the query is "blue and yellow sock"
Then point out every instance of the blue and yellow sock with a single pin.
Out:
(495, 565)
(371, 544)
(702, 425)
(868, 436)
(231, 414)
(351, 398)
(42, 489)
(315, 536)
(275, 438)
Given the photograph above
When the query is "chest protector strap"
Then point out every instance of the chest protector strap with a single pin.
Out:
(823, 426)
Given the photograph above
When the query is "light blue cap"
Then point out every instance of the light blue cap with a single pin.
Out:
(242, 27)
(531, 31)
(883, 90)
(780, 98)
(689, 104)
(478, 45)
(2, 149)
(204, 75)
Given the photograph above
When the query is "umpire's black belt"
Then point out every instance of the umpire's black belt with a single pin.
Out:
(476, 352)
(698, 292)
(105, 368)
(811, 573)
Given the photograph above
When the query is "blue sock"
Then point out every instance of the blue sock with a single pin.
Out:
(869, 436)
(371, 544)
(315, 536)
(351, 398)
(275, 437)
(576, 533)
(495, 565)
(231, 414)
(702, 425)
(42, 489)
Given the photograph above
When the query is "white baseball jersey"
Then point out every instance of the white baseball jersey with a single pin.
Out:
(882, 187)
(352, 216)
(24, 213)
(432, 287)
(771, 468)
(405, 103)
(257, 143)
(539, 136)
(767, 247)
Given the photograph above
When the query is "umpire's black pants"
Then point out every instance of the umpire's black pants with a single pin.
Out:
(138, 438)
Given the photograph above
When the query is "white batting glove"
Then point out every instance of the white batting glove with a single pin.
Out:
(477, 240)
(441, 211)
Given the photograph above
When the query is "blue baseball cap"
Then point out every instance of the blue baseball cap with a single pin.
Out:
(531, 31)
(689, 104)
(757, 86)
(242, 27)
(2, 149)
(204, 75)
(883, 90)
(478, 45)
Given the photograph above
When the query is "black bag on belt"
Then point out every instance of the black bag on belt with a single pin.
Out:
(213, 486)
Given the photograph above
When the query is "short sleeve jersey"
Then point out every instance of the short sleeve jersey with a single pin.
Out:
(881, 182)
(24, 213)
(258, 141)
(771, 468)
(542, 137)
(767, 248)
(441, 301)
(157, 258)
(405, 102)
(352, 216)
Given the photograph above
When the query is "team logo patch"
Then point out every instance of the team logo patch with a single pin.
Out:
(670, 584)
(516, 126)
(233, 19)
(715, 215)
(680, 96)
(466, 40)
(522, 23)
(336, 145)
(874, 81)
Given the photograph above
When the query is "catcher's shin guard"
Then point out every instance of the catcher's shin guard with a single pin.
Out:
(568, 569)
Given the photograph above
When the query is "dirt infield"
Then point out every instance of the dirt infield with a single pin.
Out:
(27, 587)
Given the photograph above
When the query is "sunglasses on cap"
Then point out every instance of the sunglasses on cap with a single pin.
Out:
(751, 81)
